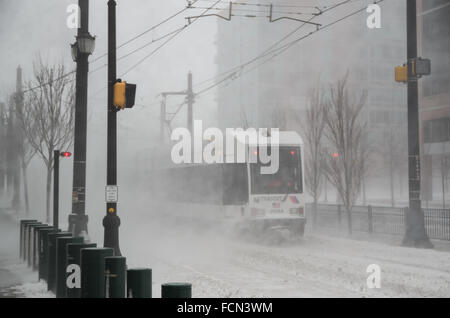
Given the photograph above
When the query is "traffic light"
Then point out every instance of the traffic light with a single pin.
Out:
(65, 154)
(124, 94)
(415, 69)
(401, 74)
(119, 94)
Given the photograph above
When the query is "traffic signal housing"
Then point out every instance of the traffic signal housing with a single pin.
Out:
(124, 95)
(420, 67)
(401, 74)
(416, 68)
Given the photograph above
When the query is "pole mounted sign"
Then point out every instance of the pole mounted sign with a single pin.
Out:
(111, 194)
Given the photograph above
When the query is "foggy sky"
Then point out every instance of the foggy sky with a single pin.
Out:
(29, 27)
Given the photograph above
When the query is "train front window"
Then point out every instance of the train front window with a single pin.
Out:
(288, 178)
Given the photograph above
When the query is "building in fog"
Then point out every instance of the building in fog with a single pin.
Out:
(275, 92)
(434, 43)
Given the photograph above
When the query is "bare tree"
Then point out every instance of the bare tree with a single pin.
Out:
(278, 119)
(366, 148)
(344, 130)
(313, 125)
(26, 151)
(49, 120)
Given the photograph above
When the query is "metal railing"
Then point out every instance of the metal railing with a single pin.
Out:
(378, 220)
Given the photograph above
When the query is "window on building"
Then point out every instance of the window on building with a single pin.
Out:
(436, 45)
(436, 130)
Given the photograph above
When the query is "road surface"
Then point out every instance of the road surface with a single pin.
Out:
(220, 266)
(316, 266)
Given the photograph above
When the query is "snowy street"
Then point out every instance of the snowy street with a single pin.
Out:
(217, 266)
(316, 266)
(248, 149)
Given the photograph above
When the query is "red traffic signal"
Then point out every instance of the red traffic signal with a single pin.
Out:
(66, 154)
(335, 155)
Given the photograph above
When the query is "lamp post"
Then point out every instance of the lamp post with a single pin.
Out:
(81, 49)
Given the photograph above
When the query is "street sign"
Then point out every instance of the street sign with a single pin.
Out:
(111, 194)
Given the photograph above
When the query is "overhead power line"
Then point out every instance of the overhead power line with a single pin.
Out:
(50, 82)
(174, 34)
(280, 50)
(122, 45)
(150, 43)
(268, 50)
(147, 30)
(168, 40)
(262, 4)
(256, 11)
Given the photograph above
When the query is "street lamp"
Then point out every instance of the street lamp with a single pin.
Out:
(85, 44)
(81, 49)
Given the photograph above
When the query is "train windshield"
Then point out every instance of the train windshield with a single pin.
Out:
(288, 179)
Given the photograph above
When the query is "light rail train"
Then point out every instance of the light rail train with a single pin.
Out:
(234, 193)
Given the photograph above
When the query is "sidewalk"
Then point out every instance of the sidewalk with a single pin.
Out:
(16, 279)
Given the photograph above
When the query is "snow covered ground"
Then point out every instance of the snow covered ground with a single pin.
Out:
(220, 266)
(16, 278)
(316, 266)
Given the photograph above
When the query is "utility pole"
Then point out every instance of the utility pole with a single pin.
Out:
(56, 155)
(111, 221)
(81, 50)
(415, 234)
(190, 102)
(190, 99)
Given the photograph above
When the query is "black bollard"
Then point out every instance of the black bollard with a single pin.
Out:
(61, 263)
(93, 271)
(22, 240)
(35, 241)
(51, 279)
(74, 258)
(27, 239)
(115, 276)
(31, 229)
(43, 252)
(176, 290)
(139, 283)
